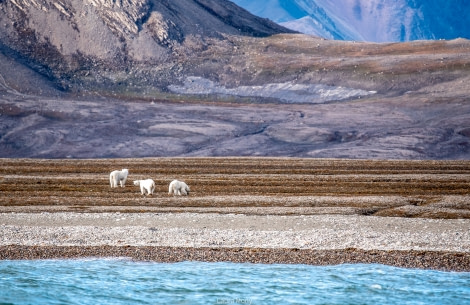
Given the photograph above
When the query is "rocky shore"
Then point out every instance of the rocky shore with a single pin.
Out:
(301, 239)
(438, 260)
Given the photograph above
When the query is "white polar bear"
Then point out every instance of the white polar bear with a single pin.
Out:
(145, 186)
(178, 188)
(118, 177)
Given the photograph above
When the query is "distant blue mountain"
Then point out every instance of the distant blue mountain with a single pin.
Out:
(369, 20)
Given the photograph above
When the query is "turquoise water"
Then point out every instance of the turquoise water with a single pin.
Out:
(120, 281)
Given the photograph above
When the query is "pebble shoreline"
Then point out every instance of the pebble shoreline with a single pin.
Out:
(301, 239)
(444, 261)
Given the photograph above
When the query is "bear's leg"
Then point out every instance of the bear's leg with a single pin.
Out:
(112, 180)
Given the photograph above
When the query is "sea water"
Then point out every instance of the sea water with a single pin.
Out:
(121, 281)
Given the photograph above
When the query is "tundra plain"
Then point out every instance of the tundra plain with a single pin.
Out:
(287, 186)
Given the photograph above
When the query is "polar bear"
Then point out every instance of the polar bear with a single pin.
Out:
(118, 177)
(145, 186)
(178, 188)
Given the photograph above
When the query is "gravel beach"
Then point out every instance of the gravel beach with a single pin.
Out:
(312, 239)
(319, 232)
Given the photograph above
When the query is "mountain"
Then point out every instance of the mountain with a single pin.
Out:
(76, 44)
(369, 20)
(148, 78)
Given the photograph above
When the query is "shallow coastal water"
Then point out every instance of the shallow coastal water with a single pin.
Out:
(121, 281)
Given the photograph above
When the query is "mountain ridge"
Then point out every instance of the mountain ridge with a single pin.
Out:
(180, 78)
(75, 40)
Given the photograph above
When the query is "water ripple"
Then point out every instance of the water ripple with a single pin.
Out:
(120, 281)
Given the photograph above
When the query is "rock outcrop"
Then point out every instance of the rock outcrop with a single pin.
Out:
(78, 44)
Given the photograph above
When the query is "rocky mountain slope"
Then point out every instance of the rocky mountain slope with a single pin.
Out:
(106, 43)
(140, 78)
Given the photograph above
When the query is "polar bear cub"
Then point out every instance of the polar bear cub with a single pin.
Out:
(118, 177)
(145, 186)
(178, 188)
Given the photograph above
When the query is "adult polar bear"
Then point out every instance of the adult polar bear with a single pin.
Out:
(118, 177)
(146, 186)
(178, 188)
